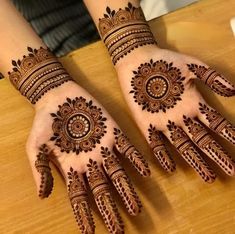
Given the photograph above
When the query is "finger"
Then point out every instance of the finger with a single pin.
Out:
(214, 80)
(121, 181)
(216, 122)
(79, 201)
(208, 145)
(186, 148)
(39, 160)
(101, 191)
(129, 151)
(158, 147)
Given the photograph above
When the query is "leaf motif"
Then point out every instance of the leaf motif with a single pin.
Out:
(108, 10)
(14, 63)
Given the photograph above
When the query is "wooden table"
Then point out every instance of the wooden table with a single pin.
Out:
(179, 203)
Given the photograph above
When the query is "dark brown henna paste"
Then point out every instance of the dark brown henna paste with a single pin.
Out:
(218, 123)
(186, 148)
(207, 144)
(124, 30)
(157, 86)
(79, 202)
(42, 166)
(101, 191)
(129, 151)
(37, 73)
(158, 147)
(78, 126)
(213, 80)
(121, 181)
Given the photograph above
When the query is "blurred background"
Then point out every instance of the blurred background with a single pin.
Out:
(65, 25)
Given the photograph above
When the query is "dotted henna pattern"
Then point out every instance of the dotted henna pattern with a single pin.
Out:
(100, 189)
(157, 86)
(79, 202)
(206, 143)
(37, 73)
(78, 126)
(213, 80)
(159, 149)
(121, 181)
(186, 148)
(124, 30)
(218, 123)
(42, 166)
(129, 151)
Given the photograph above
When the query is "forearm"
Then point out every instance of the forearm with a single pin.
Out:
(122, 27)
(25, 59)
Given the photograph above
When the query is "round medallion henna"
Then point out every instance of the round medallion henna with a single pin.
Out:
(157, 86)
(78, 126)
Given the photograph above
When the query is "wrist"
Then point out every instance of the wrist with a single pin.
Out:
(124, 31)
(37, 73)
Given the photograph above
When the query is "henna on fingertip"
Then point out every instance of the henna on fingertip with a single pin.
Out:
(121, 181)
(42, 166)
(129, 151)
(189, 152)
(105, 203)
(159, 149)
(201, 137)
(218, 123)
(79, 201)
(214, 80)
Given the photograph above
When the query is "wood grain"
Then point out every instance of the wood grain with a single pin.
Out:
(179, 203)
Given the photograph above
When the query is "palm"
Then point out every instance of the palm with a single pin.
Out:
(160, 91)
(78, 136)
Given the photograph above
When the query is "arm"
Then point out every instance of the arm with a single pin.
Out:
(159, 89)
(70, 129)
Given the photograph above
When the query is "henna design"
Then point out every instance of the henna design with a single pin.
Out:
(124, 30)
(157, 86)
(213, 80)
(207, 144)
(121, 181)
(218, 123)
(37, 73)
(100, 189)
(186, 148)
(42, 166)
(128, 150)
(79, 202)
(78, 126)
(159, 149)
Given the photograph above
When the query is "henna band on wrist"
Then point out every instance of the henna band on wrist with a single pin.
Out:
(124, 30)
(37, 73)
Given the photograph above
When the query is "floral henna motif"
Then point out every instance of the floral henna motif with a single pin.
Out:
(186, 148)
(157, 86)
(159, 149)
(42, 166)
(213, 80)
(78, 126)
(128, 150)
(79, 202)
(100, 189)
(121, 181)
(124, 30)
(37, 73)
(206, 143)
(218, 123)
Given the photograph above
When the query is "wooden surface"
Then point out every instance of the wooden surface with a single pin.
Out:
(179, 203)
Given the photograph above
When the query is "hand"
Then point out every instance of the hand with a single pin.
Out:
(159, 88)
(74, 132)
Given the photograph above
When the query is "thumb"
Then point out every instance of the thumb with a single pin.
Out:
(39, 160)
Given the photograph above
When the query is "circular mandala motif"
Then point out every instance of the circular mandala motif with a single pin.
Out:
(157, 86)
(78, 126)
